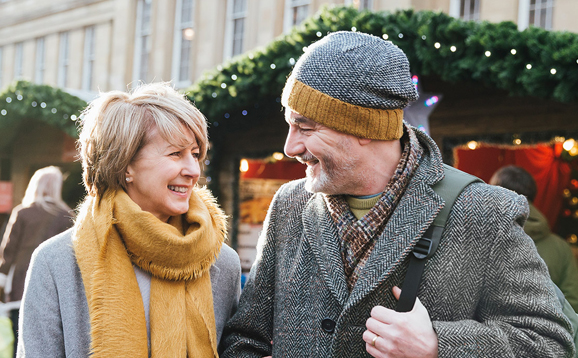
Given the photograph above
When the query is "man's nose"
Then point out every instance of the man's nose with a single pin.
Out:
(293, 144)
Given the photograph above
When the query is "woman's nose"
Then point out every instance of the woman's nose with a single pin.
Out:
(191, 167)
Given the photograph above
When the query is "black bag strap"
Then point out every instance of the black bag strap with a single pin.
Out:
(449, 188)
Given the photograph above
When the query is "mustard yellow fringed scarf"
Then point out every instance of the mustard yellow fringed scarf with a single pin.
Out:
(109, 238)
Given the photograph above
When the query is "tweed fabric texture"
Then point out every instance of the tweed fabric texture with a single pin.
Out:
(487, 291)
(358, 237)
(354, 83)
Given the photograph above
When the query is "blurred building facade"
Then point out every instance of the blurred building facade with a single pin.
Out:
(90, 45)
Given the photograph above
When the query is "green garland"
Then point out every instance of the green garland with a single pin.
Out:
(533, 62)
(23, 101)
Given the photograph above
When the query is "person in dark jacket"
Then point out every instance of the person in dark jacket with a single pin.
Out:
(41, 215)
(556, 252)
(335, 246)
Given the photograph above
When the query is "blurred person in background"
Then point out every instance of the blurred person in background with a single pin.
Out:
(41, 215)
(556, 252)
(144, 271)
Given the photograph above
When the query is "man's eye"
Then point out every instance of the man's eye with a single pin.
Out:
(175, 154)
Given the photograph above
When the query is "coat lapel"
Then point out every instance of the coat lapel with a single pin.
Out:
(321, 233)
(414, 213)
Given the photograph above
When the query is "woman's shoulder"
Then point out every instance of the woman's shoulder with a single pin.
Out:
(228, 259)
(56, 248)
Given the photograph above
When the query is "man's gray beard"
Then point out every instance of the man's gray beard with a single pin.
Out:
(329, 179)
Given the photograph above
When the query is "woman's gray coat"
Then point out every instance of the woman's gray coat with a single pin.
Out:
(54, 319)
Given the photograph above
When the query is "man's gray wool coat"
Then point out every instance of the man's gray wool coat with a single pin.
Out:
(487, 291)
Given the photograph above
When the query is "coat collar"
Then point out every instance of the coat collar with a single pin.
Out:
(413, 215)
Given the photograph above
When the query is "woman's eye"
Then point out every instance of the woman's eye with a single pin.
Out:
(175, 154)
(196, 155)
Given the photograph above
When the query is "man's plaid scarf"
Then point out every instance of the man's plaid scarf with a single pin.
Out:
(358, 237)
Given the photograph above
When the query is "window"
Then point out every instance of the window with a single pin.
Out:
(540, 14)
(18, 59)
(39, 70)
(63, 53)
(295, 12)
(537, 13)
(365, 4)
(142, 41)
(237, 12)
(0, 67)
(465, 9)
(183, 40)
(88, 59)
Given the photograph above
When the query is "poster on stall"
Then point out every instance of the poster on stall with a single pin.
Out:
(255, 195)
(258, 182)
(5, 197)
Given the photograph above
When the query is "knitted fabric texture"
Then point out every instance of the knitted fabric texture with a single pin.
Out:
(112, 236)
(354, 83)
(358, 237)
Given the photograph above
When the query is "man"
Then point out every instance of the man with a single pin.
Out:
(335, 246)
(552, 248)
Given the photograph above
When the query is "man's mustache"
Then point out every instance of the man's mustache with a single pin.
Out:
(306, 158)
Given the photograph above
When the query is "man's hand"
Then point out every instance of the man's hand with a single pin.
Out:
(406, 335)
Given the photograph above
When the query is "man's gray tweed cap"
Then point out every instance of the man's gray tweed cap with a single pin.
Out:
(354, 83)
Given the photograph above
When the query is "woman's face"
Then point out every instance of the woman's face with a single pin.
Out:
(160, 178)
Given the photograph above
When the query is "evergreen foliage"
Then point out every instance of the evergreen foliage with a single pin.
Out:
(533, 62)
(23, 101)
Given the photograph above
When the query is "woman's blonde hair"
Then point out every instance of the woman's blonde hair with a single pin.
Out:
(114, 128)
(45, 190)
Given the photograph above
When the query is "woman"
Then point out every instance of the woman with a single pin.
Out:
(144, 272)
(41, 215)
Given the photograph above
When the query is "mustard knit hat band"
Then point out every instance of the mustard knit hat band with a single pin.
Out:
(363, 122)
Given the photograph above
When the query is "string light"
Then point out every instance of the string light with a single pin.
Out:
(234, 77)
(400, 35)
(386, 36)
(244, 112)
(568, 144)
(423, 37)
(488, 53)
(244, 166)
(517, 141)
(453, 49)
(319, 34)
(529, 66)
(291, 61)
(414, 80)
(223, 85)
(34, 104)
(214, 95)
(472, 144)
(273, 66)
(431, 101)
(227, 115)
(553, 71)
(278, 156)
(513, 51)
(437, 45)
(19, 97)
(354, 29)
(8, 100)
(43, 105)
(4, 112)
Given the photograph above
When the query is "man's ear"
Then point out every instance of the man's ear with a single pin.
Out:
(364, 141)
